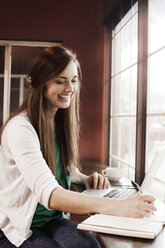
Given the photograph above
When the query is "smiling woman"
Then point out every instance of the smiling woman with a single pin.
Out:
(39, 160)
(46, 96)
(42, 135)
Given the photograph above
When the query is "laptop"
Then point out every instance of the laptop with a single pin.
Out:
(147, 187)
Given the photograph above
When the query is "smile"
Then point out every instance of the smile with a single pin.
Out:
(64, 97)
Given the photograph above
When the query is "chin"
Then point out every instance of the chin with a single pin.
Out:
(65, 106)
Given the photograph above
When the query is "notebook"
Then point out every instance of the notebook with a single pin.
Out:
(124, 226)
(146, 227)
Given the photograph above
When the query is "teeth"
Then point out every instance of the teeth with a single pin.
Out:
(64, 97)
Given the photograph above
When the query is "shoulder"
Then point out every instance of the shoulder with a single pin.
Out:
(19, 120)
(19, 124)
(22, 117)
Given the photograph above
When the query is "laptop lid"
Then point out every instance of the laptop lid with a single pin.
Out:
(151, 184)
(157, 170)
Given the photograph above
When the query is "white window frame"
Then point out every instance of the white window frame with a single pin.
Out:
(7, 70)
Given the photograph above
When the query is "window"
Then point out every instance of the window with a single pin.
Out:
(15, 59)
(137, 113)
(156, 88)
(123, 92)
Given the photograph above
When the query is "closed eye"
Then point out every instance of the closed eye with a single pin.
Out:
(75, 81)
(60, 82)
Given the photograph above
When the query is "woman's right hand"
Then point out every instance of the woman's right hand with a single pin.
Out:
(138, 206)
(78, 203)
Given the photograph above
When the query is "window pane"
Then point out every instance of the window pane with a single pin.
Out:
(113, 58)
(135, 8)
(14, 95)
(114, 162)
(129, 172)
(117, 28)
(121, 93)
(132, 141)
(155, 134)
(125, 91)
(134, 38)
(133, 87)
(117, 54)
(115, 139)
(22, 58)
(124, 88)
(126, 18)
(123, 132)
(115, 102)
(126, 46)
(156, 81)
(156, 24)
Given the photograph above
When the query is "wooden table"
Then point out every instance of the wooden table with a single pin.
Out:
(114, 241)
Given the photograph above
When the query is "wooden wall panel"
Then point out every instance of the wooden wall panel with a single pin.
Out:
(79, 24)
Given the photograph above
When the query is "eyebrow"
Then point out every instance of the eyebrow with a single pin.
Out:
(66, 77)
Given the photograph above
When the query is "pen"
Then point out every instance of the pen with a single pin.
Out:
(136, 186)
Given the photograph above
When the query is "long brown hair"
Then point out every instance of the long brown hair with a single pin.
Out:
(49, 64)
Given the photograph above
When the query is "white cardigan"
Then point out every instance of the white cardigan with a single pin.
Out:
(25, 179)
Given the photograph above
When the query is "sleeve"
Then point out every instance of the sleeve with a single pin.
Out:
(23, 143)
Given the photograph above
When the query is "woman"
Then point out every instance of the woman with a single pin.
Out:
(39, 154)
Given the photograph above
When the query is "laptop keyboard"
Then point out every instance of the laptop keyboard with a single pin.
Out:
(121, 193)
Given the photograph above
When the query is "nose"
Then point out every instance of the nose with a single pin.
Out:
(69, 86)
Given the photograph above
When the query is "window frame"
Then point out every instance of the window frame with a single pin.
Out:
(8, 44)
(141, 112)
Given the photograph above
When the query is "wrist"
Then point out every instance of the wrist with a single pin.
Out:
(78, 177)
(109, 206)
(84, 179)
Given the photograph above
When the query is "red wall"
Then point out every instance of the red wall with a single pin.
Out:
(78, 24)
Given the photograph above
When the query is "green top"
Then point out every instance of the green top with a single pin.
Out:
(42, 215)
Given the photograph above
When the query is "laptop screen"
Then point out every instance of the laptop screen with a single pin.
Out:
(154, 178)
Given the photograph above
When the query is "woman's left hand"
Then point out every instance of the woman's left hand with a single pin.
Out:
(97, 181)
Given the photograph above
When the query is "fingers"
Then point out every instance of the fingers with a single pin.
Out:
(147, 214)
(145, 205)
(106, 183)
(149, 209)
(148, 198)
(92, 181)
(102, 182)
(149, 202)
(97, 181)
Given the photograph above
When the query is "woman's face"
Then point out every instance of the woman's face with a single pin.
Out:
(60, 90)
